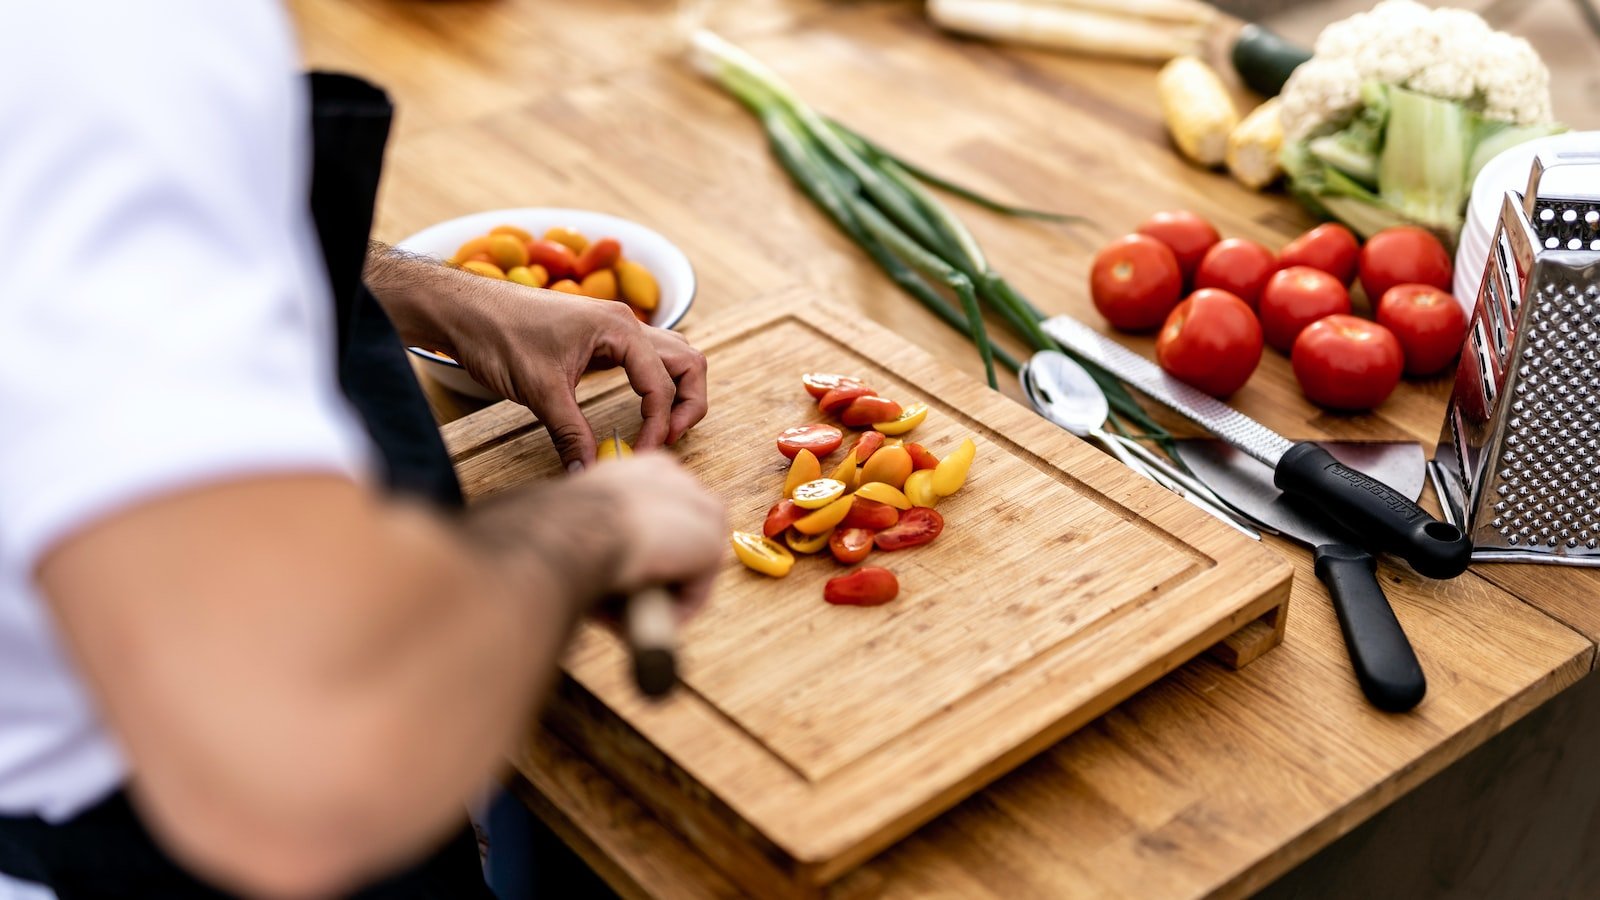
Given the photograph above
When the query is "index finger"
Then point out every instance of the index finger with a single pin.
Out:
(656, 391)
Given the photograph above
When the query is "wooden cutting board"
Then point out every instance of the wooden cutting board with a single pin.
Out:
(807, 737)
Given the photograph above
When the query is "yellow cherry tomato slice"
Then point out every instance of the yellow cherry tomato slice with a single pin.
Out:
(801, 542)
(825, 518)
(951, 473)
(805, 467)
(919, 489)
(883, 493)
(762, 554)
(846, 473)
(819, 493)
(910, 418)
(890, 465)
(613, 448)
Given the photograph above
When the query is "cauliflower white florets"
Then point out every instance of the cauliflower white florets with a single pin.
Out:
(1447, 53)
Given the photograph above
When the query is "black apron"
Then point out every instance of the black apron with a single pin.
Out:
(106, 851)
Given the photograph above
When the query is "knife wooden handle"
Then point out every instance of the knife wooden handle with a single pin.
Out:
(1385, 664)
(650, 625)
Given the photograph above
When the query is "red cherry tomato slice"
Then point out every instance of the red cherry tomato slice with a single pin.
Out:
(850, 545)
(921, 458)
(782, 514)
(867, 445)
(866, 586)
(1327, 248)
(870, 410)
(1211, 341)
(819, 439)
(1237, 266)
(819, 383)
(870, 515)
(1186, 234)
(1430, 324)
(917, 526)
(840, 397)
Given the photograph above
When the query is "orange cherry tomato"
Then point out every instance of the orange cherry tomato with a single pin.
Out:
(602, 254)
(921, 458)
(850, 545)
(870, 410)
(819, 383)
(819, 439)
(867, 445)
(805, 468)
(870, 515)
(891, 465)
(782, 514)
(841, 397)
(866, 586)
(917, 526)
(557, 259)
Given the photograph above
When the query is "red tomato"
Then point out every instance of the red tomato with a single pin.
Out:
(918, 525)
(867, 445)
(1347, 363)
(819, 383)
(870, 410)
(819, 439)
(840, 397)
(1294, 298)
(602, 254)
(1429, 324)
(1187, 235)
(866, 586)
(921, 458)
(1403, 255)
(1237, 266)
(870, 514)
(850, 545)
(1330, 248)
(1212, 341)
(782, 514)
(557, 259)
(1135, 282)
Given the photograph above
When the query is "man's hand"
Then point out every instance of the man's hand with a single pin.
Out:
(533, 345)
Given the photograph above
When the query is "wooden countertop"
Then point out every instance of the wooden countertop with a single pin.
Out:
(1212, 782)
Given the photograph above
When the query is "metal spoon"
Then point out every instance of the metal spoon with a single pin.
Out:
(1065, 393)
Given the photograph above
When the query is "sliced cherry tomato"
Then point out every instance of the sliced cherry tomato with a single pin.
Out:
(870, 411)
(825, 518)
(850, 545)
(800, 542)
(1237, 266)
(921, 458)
(919, 488)
(782, 514)
(951, 473)
(882, 493)
(1187, 235)
(909, 418)
(819, 439)
(1429, 324)
(1211, 341)
(1294, 298)
(867, 445)
(1403, 255)
(1347, 363)
(871, 515)
(841, 397)
(1329, 248)
(819, 383)
(762, 554)
(847, 473)
(917, 526)
(1135, 281)
(805, 468)
(890, 465)
(819, 493)
(866, 586)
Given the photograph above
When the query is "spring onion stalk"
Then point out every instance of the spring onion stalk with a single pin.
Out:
(881, 203)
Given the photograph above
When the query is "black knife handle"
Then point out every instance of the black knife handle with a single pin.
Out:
(1381, 517)
(1385, 664)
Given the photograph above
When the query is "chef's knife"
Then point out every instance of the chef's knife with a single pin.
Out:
(1383, 660)
(1382, 517)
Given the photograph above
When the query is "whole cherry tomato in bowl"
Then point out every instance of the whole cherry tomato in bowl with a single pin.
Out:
(1135, 281)
(1237, 266)
(1187, 235)
(1405, 254)
(1429, 324)
(1346, 363)
(1294, 298)
(1330, 248)
(1212, 341)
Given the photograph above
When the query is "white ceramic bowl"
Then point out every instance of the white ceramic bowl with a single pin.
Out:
(643, 245)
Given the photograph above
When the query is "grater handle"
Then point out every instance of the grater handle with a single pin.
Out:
(1381, 516)
(1385, 664)
(1543, 162)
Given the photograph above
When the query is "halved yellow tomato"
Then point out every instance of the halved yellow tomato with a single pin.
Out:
(818, 493)
(919, 488)
(825, 518)
(847, 473)
(806, 467)
(883, 493)
(800, 542)
(910, 418)
(762, 554)
(951, 473)
(613, 448)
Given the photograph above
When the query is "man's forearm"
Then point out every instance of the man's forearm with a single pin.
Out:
(421, 297)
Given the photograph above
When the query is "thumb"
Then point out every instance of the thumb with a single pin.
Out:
(569, 430)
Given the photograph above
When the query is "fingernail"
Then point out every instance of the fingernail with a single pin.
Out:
(575, 467)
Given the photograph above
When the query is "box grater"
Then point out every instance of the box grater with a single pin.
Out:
(1518, 464)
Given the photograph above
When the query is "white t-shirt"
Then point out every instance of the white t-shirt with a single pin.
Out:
(164, 318)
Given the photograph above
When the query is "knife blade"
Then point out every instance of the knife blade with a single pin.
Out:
(1385, 519)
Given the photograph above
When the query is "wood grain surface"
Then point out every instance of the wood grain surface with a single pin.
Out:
(1210, 782)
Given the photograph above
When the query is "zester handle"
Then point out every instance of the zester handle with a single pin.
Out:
(1380, 653)
(1381, 517)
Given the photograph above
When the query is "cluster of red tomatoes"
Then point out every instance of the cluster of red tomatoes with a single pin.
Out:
(1216, 302)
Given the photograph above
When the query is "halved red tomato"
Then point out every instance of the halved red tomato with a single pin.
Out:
(841, 397)
(868, 410)
(871, 515)
(819, 383)
(850, 545)
(921, 457)
(868, 444)
(819, 439)
(866, 586)
(782, 514)
(917, 526)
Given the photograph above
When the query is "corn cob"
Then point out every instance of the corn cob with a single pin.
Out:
(1197, 109)
(1253, 147)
